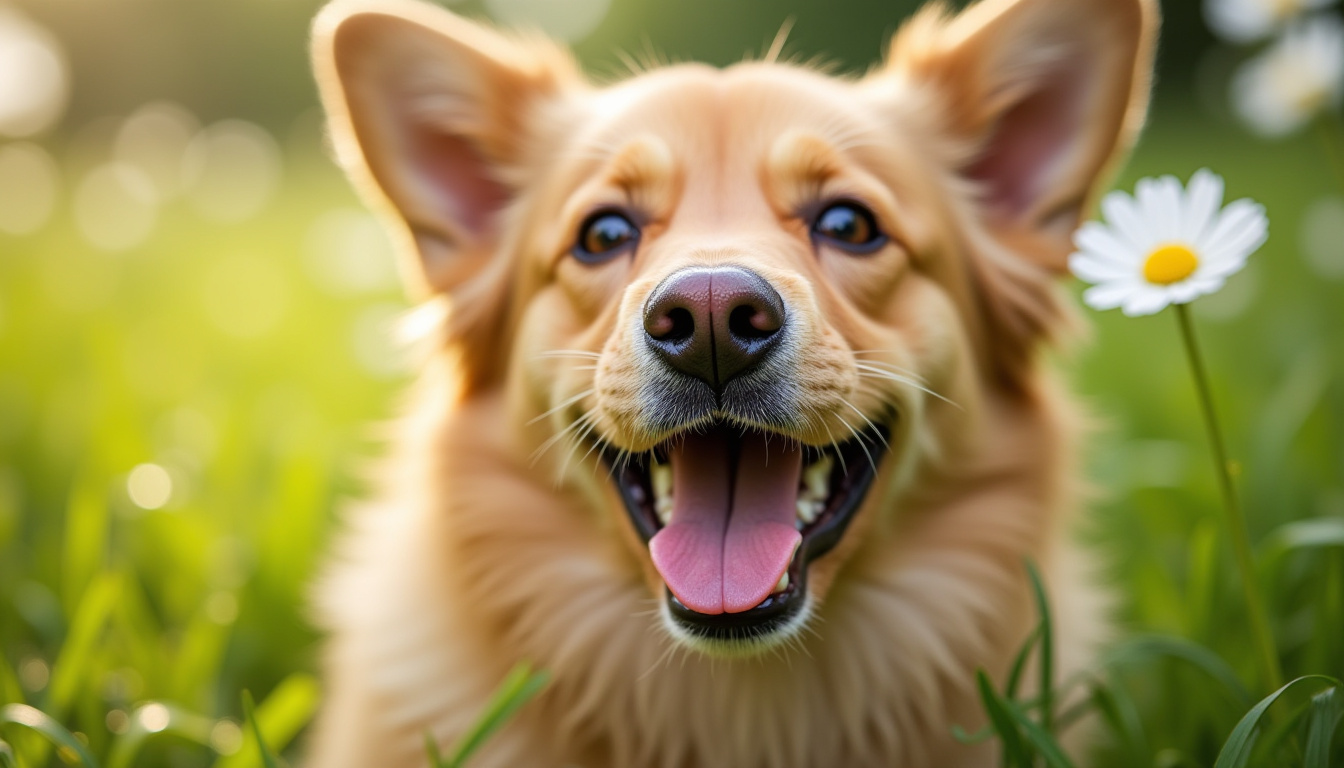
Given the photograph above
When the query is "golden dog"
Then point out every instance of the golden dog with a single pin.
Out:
(736, 420)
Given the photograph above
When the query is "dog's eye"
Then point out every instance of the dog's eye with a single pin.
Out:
(850, 227)
(604, 235)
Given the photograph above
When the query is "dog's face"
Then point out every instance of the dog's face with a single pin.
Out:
(759, 298)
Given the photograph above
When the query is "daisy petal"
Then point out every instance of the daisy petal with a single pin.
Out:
(1160, 200)
(1108, 295)
(1091, 268)
(1186, 292)
(1104, 242)
(1221, 268)
(1145, 301)
(1202, 198)
(1241, 229)
(1122, 211)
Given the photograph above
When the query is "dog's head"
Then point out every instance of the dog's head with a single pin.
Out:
(760, 298)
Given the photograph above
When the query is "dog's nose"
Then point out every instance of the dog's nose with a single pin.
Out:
(713, 323)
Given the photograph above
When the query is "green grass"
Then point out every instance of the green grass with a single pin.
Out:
(138, 631)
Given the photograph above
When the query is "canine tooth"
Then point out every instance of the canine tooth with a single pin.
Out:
(783, 583)
(663, 507)
(808, 510)
(660, 476)
(817, 478)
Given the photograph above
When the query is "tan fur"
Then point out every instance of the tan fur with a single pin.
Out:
(500, 536)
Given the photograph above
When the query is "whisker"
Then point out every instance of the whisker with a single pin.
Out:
(568, 402)
(875, 430)
(897, 368)
(863, 445)
(582, 353)
(575, 443)
(551, 442)
(878, 373)
(839, 453)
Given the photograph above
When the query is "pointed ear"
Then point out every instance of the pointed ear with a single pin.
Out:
(1046, 94)
(430, 115)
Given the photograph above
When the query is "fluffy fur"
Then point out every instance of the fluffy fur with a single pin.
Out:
(978, 144)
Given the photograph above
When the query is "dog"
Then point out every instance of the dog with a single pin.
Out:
(736, 417)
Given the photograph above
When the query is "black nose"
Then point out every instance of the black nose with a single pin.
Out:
(713, 323)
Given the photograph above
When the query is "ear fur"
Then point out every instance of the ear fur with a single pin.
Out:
(430, 114)
(1048, 94)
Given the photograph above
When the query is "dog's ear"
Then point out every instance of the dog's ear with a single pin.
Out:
(430, 115)
(1044, 95)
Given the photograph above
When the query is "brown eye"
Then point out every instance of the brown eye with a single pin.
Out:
(605, 235)
(850, 227)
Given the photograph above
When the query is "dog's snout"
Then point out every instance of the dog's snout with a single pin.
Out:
(713, 323)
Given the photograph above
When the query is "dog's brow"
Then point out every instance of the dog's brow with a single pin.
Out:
(798, 165)
(644, 166)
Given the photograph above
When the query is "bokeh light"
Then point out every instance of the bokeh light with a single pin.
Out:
(155, 139)
(29, 186)
(347, 253)
(154, 717)
(232, 170)
(116, 207)
(1322, 237)
(149, 486)
(34, 83)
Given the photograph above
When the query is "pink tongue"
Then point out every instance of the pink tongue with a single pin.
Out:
(727, 547)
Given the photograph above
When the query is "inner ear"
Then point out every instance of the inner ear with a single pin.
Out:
(1045, 93)
(430, 114)
(1022, 155)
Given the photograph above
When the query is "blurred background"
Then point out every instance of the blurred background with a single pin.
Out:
(194, 352)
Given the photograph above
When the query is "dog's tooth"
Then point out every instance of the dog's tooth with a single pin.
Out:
(660, 476)
(663, 507)
(783, 583)
(807, 511)
(817, 478)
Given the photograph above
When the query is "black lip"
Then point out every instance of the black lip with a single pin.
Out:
(860, 458)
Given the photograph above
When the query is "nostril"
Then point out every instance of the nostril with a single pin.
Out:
(676, 324)
(748, 322)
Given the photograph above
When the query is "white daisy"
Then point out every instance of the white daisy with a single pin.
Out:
(1302, 73)
(1246, 21)
(1165, 245)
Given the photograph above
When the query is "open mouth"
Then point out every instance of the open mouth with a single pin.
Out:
(734, 516)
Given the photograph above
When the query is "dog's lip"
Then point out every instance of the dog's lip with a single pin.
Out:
(856, 468)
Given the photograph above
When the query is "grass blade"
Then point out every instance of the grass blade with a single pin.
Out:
(154, 718)
(69, 748)
(86, 531)
(1176, 648)
(7, 759)
(275, 722)
(68, 673)
(1322, 721)
(1315, 533)
(1047, 654)
(1041, 739)
(1020, 663)
(268, 758)
(10, 690)
(1236, 751)
(1004, 724)
(520, 685)
(1119, 712)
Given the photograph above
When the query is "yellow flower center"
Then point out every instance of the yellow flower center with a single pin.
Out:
(1169, 264)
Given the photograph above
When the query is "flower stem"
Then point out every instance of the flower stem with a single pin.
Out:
(1331, 129)
(1268, 657)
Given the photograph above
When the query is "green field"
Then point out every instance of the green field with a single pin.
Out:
(228, 357)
